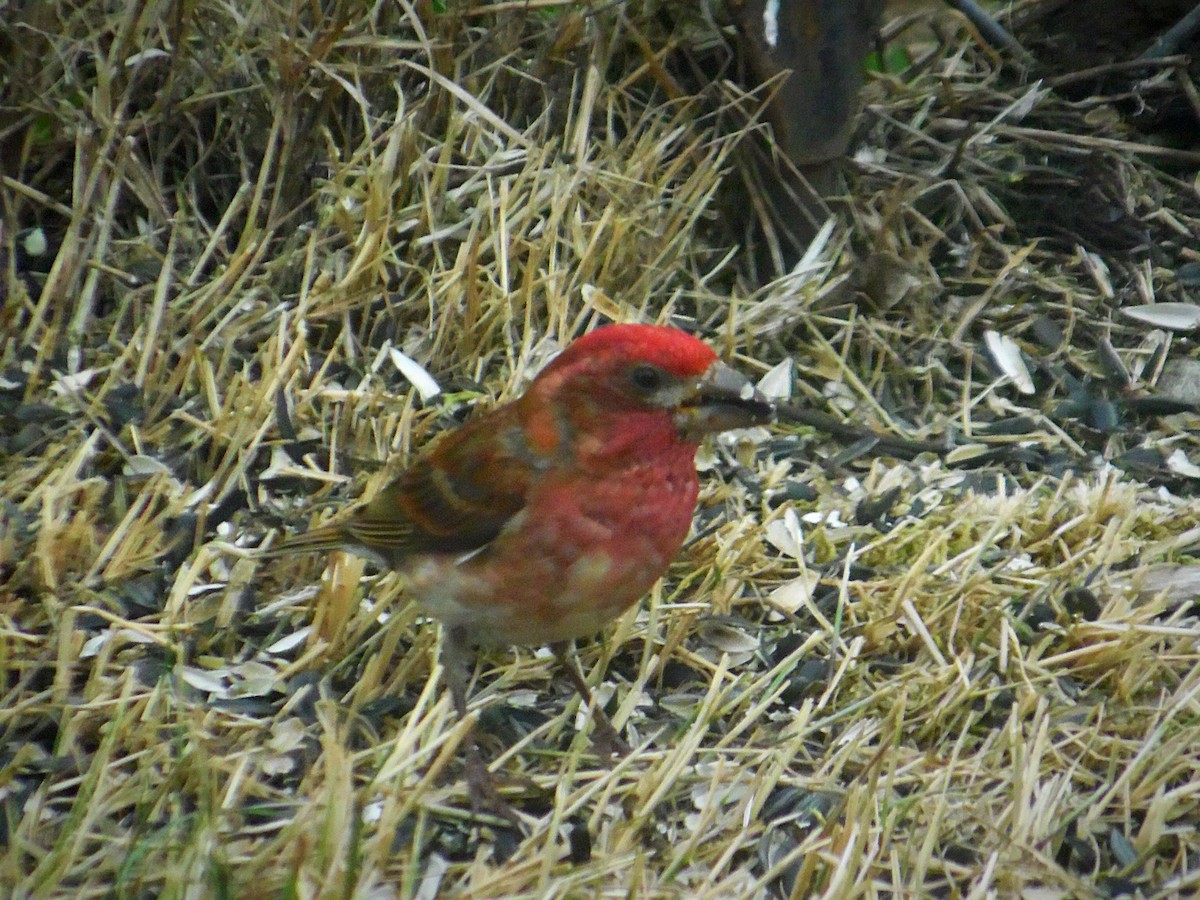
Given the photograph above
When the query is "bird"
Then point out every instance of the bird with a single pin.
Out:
(543, 519)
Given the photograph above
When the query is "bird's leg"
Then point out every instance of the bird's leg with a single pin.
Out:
(606, 740)
(481, 789)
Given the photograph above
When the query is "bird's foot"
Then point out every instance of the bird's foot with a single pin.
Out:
(606, 740)
(482, 792)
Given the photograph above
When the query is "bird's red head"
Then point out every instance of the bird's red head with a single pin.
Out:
(637, 388)
(671, 350)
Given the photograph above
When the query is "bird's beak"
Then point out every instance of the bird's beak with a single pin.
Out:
(720, 400)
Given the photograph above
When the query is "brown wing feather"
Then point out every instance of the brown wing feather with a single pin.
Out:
(454, 500)
(431, 510)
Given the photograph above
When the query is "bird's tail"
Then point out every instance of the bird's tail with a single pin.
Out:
(325, 537)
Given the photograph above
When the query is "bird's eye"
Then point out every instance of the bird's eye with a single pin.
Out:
(646, 378)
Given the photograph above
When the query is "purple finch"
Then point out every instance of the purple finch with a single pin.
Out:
(543, 519)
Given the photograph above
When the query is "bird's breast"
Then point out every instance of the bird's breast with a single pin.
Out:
(580, 553)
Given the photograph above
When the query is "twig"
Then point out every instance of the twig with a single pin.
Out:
(1176, 36)
(1083, 141)
(1189, 89)
(991, 30)
(902, 447)
(1125, 65)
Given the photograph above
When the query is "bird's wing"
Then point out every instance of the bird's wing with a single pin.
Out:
(455, 499)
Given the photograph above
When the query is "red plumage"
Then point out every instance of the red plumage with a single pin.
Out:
(546, 517)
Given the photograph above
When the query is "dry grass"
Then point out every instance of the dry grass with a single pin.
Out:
(977, 675)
